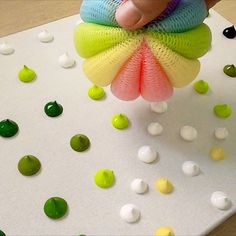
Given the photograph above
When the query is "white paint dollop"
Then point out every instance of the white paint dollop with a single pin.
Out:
(45, 36)
(190, 168)
(66, 61)
(188, 133)
(159, 107)
(139, 186)
(6, 48)
(221, 133)
(130, 213)
(155, 128)
(147, 154)
(220, 200)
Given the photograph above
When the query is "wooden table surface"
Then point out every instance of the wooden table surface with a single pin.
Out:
(18, 15)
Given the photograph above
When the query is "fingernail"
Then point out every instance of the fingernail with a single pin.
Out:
(127, 15)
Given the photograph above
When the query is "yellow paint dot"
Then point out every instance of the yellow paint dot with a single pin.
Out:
(164, 186)
(217, 153)
(164, 231)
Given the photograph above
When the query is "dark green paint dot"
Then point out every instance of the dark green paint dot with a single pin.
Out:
(222, 110)
(82, 235)
(53, 109)
(29, 165)
(230, 70)
(79, 142)
(201, 86)
(2, 233)
(55, 207)
(8, 128)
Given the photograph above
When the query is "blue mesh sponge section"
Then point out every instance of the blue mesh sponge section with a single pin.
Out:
(99, 11)
(187, 15)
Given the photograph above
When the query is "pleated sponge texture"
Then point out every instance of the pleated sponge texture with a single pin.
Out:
(150, 61)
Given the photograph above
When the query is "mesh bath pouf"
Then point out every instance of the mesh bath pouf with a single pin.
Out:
(149, 61)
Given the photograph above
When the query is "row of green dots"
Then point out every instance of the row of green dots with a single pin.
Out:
(220, 110)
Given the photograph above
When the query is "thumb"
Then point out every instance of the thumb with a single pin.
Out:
(133, 14)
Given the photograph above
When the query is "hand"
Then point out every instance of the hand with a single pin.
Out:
(134, 14)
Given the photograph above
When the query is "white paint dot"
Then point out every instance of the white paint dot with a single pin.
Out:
(221, 133)
(220, 200)
(159, 107)
(130, 213)
(188, 133)
(139, 186)
(190, 168)
(155, 128)
(147, 154)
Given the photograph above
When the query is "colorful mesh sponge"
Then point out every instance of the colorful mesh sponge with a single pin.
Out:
(149, 61)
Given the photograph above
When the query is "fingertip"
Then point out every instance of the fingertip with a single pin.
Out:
(128, 16)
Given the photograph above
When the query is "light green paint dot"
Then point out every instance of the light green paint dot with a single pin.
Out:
(222, 110)
(26, 74)
(80, 142)
(104, 178)
(96, 93)
(55, 207)
(120, 121)
(230, 70)
(201, 86)
(29, 165)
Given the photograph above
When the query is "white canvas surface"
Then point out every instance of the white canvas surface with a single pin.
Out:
(67, 174)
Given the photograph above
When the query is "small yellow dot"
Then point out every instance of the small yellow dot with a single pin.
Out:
(164, 186)
(164, 231)
(217, 153)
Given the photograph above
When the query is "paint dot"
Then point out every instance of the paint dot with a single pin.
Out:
(53, 109)
(45, 36)
(2, 233)
(80, 142)
(221, 133)
(155, 128)
(159, 107)
(55, 207)
(163, 185)
(229, 32)
(201, 86)
(230, 70)
(104, 178)
(29, 165)
(190, 168)
(164, 231)
(6, 48)
(120, 121)
(222, 110)
(96, 93)
(26, 74)
(217, 153)
(147, 154)
(220, 200)
(139, 186)
(8, 128)
(66, 61)
(130, 213)
(188, 133)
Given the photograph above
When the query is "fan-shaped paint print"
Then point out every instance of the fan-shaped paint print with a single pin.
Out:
(150, 61)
